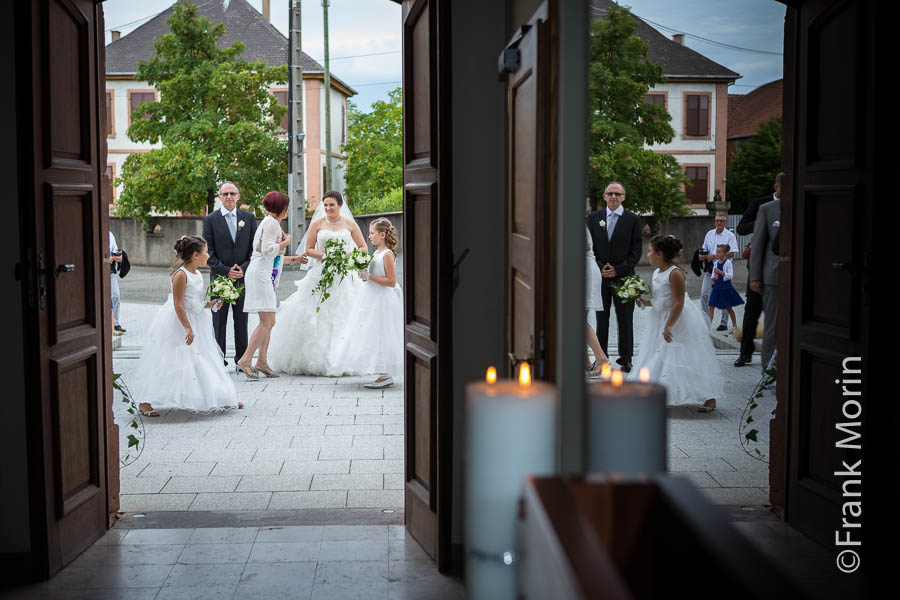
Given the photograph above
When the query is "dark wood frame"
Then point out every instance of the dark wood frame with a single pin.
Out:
(707, 166)
(709, 115)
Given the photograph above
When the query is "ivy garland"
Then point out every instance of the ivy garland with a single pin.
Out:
(135, 442)
(746, 431)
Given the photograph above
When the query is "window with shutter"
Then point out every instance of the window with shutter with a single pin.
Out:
(135, 99)
(656, 99)
(110, 115)
(698, 192)
(697, 115)
(282, 97)
(109, 176)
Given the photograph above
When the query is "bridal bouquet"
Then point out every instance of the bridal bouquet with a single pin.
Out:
(336, 262)
(360, 259)
(631, 288)
(223, 288)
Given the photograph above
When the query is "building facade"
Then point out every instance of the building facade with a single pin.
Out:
(263, 42)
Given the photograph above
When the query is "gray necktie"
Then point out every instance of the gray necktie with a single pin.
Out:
(232, 226)
(611, 225)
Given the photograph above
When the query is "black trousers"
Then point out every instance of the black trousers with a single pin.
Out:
(220, 326)
(752, 309)
(624, 319)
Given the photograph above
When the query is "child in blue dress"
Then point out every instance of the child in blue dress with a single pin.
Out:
(723, 293)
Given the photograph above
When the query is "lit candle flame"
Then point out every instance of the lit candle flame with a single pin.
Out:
(645, 375)
(605, 371)
(491, 376)
(617, 378)
(525, 375)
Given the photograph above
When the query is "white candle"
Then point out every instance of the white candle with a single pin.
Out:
(627, 427)
(510, 433)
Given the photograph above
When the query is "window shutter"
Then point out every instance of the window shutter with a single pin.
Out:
(699, 176)
(137, 98)
(282, 97)
(703, 115)
(692, 121)
(109, 113)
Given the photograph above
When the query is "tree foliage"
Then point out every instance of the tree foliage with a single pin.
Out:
(754, 166)
(622, 124)
(216, 119)
(374, 149)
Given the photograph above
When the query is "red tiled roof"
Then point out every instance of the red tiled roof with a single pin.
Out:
(746, 112)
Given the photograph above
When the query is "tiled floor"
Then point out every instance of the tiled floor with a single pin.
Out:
(308, 562)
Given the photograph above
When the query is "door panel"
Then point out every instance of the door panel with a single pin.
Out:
(64, 233)
(530, 198)
(426, 273)
(827, 214)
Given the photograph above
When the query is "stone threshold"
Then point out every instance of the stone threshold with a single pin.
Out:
(259, 518)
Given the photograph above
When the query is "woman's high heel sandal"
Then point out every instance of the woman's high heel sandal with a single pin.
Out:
(265, 370)
(249, 371)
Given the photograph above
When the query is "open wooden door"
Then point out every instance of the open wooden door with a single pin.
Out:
(828, 210)
(66, 282)
(426, 276)
(530, 184)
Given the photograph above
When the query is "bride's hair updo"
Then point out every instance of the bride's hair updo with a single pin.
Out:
(334, 194)
(186, 246)
(669, 245)
(384, 225)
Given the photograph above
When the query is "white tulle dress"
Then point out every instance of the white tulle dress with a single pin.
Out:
(593, 284)
(375, 340)
(172, 374)
(306, 342)
(687, 365)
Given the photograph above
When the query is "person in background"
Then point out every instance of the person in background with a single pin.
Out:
(764, 271)
(714, 237)
(115, 256)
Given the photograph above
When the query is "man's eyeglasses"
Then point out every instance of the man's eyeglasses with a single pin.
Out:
(228, 194)
(614, 194)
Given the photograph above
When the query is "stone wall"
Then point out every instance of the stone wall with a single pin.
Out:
(690, 230)
(157, 249)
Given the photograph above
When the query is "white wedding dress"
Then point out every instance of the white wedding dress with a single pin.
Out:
(306, 342)
(172, 374)
(687, 365)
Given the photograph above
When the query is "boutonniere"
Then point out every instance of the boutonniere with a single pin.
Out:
(602, 224)
(240, 224)
(776, 224)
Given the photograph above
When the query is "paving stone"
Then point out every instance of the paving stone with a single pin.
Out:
(701, 479)
(354, 430)
(142, 485)
(416, 579)
(737, 496)
(152, 554)
(154, 502)
(351, 453)
(383, 419)
(129, 576)
(357, 550)
(184, 485)
(213, 554)
(254, 467)
(295, 467)
(394, 453)
(295, 533)
(274, 483)
(375, 499)
(393, 481)
(223, 535)
(697, 464)
(316, 499)
(320, 441)
(184, 469)
(351, 580)
(376, 466)
(741, 479)
(276, 552)
(276, 580)
(377, 441)
(158, 536)
(232, 501)
(221, 455)
(350, 481)
(203, 575)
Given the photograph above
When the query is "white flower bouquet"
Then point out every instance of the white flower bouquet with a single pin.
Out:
(336, 262)
(223, 289)
(631, 288)
(359, 259)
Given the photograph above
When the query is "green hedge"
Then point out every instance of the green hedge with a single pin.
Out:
(390, 202)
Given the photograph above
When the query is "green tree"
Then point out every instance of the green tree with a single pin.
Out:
(622, 124)
(754, 166)
(216, 120)
(374, 149)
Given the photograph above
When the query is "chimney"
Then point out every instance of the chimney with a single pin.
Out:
(679, 38)
(116, 35)
(265, 10)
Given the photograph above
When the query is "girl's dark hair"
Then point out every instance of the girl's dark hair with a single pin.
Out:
(669, 245)
(336, 195)
(186, 246)
(276, 202)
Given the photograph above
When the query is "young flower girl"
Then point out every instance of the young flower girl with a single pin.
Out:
(675, 346)
(181, 365)
(375, 340)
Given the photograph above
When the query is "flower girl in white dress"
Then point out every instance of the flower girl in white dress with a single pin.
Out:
(675, 346)
(375, 342)
(182, 365)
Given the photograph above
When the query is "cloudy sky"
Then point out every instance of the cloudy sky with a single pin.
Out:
(372, 27)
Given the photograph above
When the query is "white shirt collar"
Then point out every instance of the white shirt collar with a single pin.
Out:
(618, 211)
(226, 212)
(774, 197)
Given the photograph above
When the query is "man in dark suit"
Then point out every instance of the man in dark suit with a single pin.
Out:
(229, 233)
(616, 234)
(754, 305)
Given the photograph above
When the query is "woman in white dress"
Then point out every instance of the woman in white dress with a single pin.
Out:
(675, 346)
(260, 282)
(593, 302)
(181, 365)
(306, 341)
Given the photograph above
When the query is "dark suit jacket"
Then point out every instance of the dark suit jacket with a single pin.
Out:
(745, 227)
(623, 251)
(223, 252)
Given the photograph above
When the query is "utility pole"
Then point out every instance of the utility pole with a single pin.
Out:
(327, 102)
(296, 133)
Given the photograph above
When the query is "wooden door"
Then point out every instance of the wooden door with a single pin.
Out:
(426, 276)
(530, 216)
(67, 283)
(827, 213)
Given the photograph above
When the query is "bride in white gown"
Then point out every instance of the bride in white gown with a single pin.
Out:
(304, 341)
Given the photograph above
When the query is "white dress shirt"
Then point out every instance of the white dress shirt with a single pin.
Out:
(713, 239)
